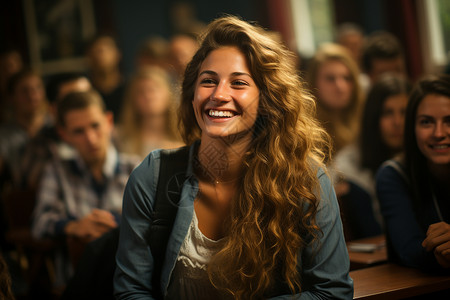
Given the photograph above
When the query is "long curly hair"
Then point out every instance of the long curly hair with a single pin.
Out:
(273, 213)
(344, 129)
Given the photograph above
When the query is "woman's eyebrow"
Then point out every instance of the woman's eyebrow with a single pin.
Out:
(240, 74)
(425, 116)
(209, 72)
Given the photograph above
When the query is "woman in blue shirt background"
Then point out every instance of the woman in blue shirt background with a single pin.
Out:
(414, 190)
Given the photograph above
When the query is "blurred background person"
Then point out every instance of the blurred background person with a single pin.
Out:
(29, 115)
(80, 198)
(333, 79)
(153, 51)
(103, 57)
(11, 62)
(183, 17)
(182, 48)
(414, 188)
(351, 36)
(26, 95)
(383, 53)
(48, 145)
(380, 138)
(149, 114)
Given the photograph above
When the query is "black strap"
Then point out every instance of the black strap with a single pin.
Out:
(172, 174)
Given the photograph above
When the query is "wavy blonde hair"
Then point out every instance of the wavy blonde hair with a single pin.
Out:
(345, 129)
(130, 122)
(273, 213)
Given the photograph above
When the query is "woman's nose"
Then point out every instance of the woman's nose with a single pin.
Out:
(221, 93)
(439, 131)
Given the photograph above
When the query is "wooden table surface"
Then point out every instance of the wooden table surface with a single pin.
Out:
(391, 281)
(362, 259)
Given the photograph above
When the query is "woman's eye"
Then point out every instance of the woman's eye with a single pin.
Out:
(387, 113)
(424, 122)
(239, 82)
(330, 78)
(207, 81)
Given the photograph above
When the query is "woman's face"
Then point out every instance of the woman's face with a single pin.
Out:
(104, 54)
(392, 121)
(334, 85)
(151, 97)
(433, 129)
(226, 98)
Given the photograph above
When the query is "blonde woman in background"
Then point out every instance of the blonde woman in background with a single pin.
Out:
(149, 113)
(333, 77)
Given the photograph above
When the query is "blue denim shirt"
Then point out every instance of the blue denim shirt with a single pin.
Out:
(324, 273)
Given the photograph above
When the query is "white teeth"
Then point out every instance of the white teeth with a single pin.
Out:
(440, 146)
(220, 113)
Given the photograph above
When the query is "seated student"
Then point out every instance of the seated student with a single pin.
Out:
(47, 144)
(81, 196)
(413, 190)
(153, 51)
(29, 118)
(181, 49)
(383, 53)
(381, 138)
(351, 36)
(148, 119)
(257, 215)
(103, 58)
(333, 78)
(11, 62)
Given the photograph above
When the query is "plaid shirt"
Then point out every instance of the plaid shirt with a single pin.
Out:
(68, 191)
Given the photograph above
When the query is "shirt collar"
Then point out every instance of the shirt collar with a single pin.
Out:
(109, 166)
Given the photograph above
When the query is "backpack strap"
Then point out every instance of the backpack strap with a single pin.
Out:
(172, 174)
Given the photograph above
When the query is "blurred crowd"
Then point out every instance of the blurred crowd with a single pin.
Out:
(69, 141)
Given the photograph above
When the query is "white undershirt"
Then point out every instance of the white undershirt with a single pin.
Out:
(189, 278)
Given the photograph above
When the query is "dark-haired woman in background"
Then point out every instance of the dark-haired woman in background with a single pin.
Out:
(381, 138)
(414, 190)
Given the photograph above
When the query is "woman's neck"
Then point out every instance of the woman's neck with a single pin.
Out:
(221, 161)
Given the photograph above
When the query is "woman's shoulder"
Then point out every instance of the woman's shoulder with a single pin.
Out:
(392, 168)
(148, 168)
(153, 159)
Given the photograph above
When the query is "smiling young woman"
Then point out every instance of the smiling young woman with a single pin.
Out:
(414, 190)
(258, 216)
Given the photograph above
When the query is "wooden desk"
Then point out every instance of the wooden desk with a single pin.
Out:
(391, 281)
(360, 259)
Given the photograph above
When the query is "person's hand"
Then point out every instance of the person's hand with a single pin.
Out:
(102, 218)
(438, 241)
(91, 226)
